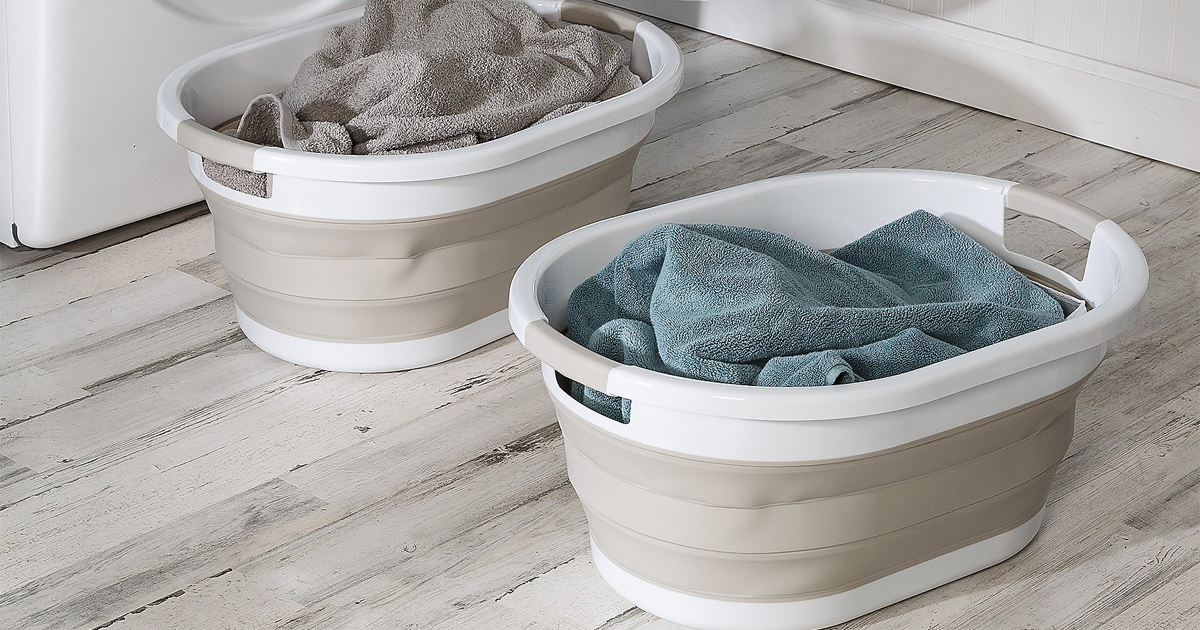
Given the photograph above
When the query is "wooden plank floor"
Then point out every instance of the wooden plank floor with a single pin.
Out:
(159, 472)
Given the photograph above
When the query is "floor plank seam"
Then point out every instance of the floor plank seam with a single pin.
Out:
(722, 76)
(92, 244)
(73, 300)
(532, 441)
(111, 382)
(536, 577)
(819, 159)
(141, 609)
(782, 132)
(4, 426)
(623, 616)
(852, 104)
(38, 493)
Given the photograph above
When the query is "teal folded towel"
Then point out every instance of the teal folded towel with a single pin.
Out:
(740, 305)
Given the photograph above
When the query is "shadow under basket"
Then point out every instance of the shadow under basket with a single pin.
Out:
(386, 262)
(731, 507)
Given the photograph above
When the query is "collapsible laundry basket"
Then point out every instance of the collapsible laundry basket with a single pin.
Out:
(384, 262)
(738, 507)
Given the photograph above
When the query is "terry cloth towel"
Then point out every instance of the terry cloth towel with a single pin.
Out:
(747, 306)
(413, 76)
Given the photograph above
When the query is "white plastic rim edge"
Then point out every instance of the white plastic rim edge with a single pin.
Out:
(1113, 254)
(374, 357)
(690, 435)
(812, 614)
(666, 60)
(170, 111)
(309, 199)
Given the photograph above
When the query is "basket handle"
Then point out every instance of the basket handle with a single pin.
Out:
(554, 348)
(215, 145)
(1116, 273)
(1053, 208)
(605, 18)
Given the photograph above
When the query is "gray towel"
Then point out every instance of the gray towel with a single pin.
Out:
(413, 76)
(741, 305)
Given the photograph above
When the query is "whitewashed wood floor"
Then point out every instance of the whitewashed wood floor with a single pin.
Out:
(157, 471)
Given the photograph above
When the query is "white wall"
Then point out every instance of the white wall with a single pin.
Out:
(1123, 73)
(1158, 37)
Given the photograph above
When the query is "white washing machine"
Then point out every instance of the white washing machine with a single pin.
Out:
(80, 151)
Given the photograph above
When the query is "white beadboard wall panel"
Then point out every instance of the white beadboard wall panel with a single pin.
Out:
(1185, 53)
(1050, 23)
(1119, 33)
(928, 7)
(1019, 18)
(1158, 37)
(1156, 33)
(961, 11)
(1085, 23)
(988, 16)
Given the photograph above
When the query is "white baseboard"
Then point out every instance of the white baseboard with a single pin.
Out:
(1111, 105)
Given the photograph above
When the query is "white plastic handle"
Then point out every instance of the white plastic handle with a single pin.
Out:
(215, 145)
(1114, 260)
(554, 348)
(1053, 208)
